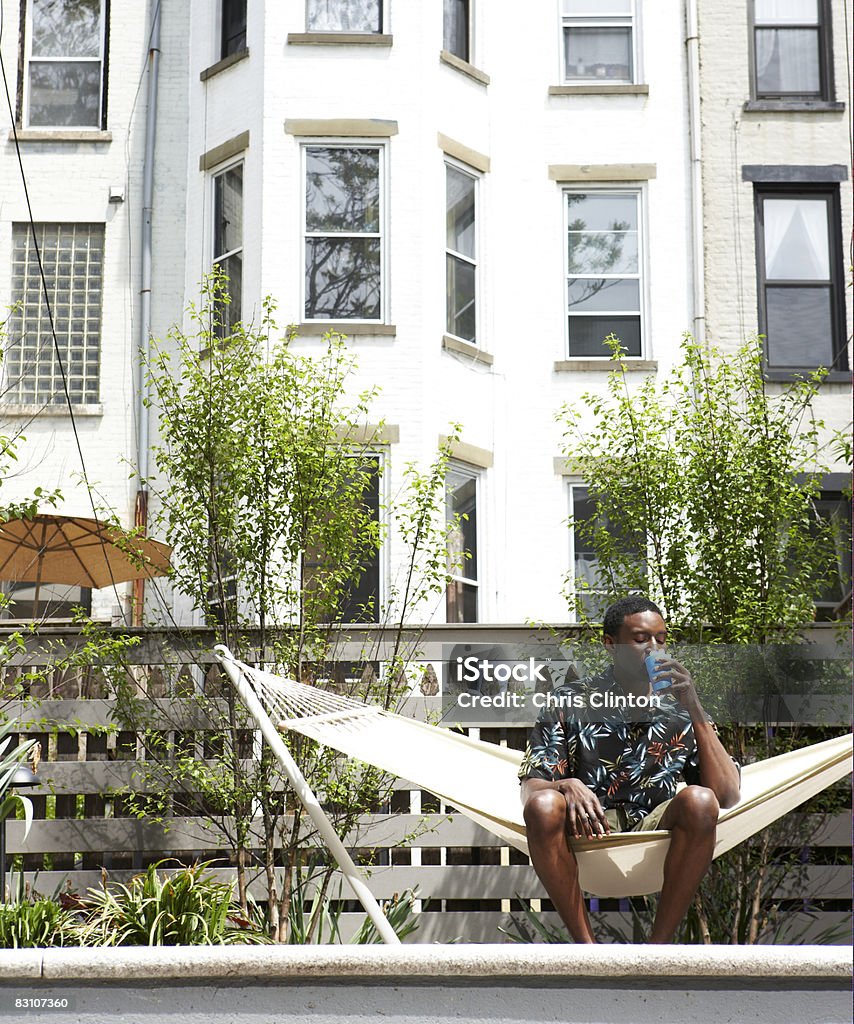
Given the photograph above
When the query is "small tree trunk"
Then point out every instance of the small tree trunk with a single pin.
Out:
(756, 902)
(702, 921)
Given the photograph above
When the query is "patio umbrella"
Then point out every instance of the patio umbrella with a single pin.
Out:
(76, 551)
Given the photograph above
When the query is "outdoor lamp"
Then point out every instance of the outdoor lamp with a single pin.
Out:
(23, 778)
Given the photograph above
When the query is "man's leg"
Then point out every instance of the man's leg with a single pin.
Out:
(691, 817)
(554, 862)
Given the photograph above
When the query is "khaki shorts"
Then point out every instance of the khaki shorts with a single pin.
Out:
(618, 822)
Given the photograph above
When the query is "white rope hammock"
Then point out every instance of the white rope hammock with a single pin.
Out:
(480, 779)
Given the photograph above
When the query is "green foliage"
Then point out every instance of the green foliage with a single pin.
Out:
(27, 924)
(186, 908)
(715, 482)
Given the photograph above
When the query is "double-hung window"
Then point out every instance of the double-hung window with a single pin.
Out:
(457, 28)
(595, 588)
(604, 284)
(233, 26)
(461, 597)
(461, 253)
(344, 227)
(791, 49)
(64, 81)
(344, 16)
(228, 244)
(599, 41)
(800, 279)
(72, 258)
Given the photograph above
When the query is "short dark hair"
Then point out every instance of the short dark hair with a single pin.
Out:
(630, 605)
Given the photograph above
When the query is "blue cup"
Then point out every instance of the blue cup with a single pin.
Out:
(653, 661)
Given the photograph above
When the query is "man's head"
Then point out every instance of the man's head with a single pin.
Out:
(631, 626)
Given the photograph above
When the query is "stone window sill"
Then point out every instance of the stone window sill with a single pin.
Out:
(60, 135)
(793, 106)
(604, 365)
(465, 348)
(350, 330)
(598, 90)
(463, 65)
(339, 39)
(37, 411)
(222, 65)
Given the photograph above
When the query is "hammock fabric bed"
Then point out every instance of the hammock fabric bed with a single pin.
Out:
(480, 779)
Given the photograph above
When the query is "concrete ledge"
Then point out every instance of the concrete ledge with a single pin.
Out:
(222, 65)
(341, 127)
(604, 365)
(339, 39)
(348, 330)
(463, 65)
(60, 135)
(598, 90)
(224, 151)
(601, 172)
(605, 963)
(465, 154)
(463, 348)
(474, 456)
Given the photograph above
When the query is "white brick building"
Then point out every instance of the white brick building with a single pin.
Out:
(565, 131)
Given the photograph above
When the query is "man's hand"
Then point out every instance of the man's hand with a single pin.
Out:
(681, 686)
(585, 817)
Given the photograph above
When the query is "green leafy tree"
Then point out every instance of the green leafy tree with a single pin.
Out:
(261, 491)
(704, 489)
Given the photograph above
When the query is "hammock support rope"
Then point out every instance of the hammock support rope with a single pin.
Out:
(480, 779)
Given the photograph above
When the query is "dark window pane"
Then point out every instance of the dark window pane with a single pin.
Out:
(461, 602)
(599, 53)
(587, 334)
(65, 94)
(456, 28)
(66, 28)
(787, 62)
(228, 211)
(343, 16)
(799, 326)
(461, 500)
(461, 298)
(233, 27)
(593, 294)
(460, 212)
(361, 604)
(342, 189)
(342, 279)
(229, 313)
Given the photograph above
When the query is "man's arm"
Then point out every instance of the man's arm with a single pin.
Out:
(717, 769)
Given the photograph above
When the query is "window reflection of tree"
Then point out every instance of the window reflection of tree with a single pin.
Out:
(595, 253)
(342, 198)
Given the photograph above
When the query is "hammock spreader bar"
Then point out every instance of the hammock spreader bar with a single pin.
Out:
(480, 779)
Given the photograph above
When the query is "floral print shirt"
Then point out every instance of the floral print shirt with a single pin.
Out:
(631, 766)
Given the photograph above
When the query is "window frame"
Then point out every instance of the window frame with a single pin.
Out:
(825, 59)
(225, 52)
(382, 147)
(474, 474)
(382, 19)
(802, 190)
(477, 177)
(639, 190)
(27, 59)
(602, 21)
(218, 259)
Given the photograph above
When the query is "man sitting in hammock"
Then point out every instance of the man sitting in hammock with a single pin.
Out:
(585, 778)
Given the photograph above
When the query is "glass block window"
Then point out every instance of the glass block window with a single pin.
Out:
(461, 253)
(604, 287)
(228, 243)
(598, 40)
(344, 16)
(65, 64)
(461, 597)
(344, 219)
(73, 261)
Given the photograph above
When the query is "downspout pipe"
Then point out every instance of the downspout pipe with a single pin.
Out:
(141, 512)
(692, 48)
